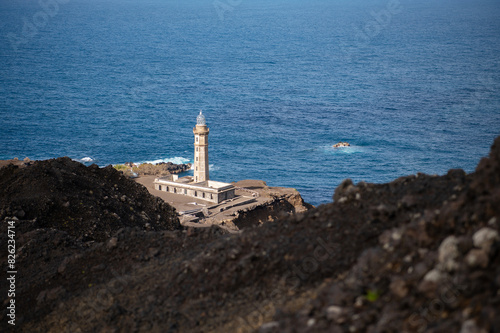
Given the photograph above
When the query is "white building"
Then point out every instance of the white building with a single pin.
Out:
(199, 186)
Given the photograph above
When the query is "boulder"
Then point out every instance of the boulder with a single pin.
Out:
(341, 144)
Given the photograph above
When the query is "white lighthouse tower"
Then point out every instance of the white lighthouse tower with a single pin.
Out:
(201, 149)
(199, 186)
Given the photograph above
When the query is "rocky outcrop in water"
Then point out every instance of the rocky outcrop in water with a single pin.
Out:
(160, 169)
(341, 144)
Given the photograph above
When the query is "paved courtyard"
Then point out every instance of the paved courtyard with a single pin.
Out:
(198, 213)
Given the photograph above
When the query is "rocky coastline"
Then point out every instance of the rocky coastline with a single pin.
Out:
(97, 252)
(274, 203)
(148, 169)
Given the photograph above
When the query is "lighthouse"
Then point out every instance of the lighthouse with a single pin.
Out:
(199, 186)
(201, 149)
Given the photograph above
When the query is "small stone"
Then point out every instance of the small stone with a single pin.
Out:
(335, 313)
(470, 326)
(477, 258)
(98, 268)
(268, 327)
(311, 322)
(467, 312)
(152, 252)
(112, 242)
(341, 189)
(434, 275)
(484, 238)
(41, 297)
(62, 267)
(409, 201)
(20, 213)
(448, 252)
(492, 222)
(448, 249)
(342, 200)
(396, 235)
(359, 302)
(398, 288)
(422, 252)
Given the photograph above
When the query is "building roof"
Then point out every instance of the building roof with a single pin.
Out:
(209, 185)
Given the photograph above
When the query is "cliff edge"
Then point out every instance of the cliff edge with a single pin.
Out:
(271, 204)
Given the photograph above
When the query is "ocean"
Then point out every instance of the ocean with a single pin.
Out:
(412, 85)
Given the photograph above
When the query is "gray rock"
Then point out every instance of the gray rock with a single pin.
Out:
(477, 258)
(470, 326)
(269, 327)
(447, 253)
(434, 275)
(398, 288)
(335, 313)
(112, 242)
(20, 213)
(484, 238)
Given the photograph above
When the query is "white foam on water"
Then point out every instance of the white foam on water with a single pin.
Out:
(86, 159)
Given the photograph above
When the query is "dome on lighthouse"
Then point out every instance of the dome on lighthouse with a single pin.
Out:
(200, 120)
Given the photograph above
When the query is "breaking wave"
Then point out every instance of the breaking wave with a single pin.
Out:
(85, 160)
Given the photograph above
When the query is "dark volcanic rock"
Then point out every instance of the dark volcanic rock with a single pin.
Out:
(418, 254)
(160, 169)
(89, 203)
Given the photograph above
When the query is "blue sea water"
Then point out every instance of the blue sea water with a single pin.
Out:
(412, 85)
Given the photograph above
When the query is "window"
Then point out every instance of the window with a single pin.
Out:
(203, 195)
(185, 191)
(167, 189)
(175, 190)
(195, 193)
(159, 187)
(197, 139)
(197, 148)
(197, 158)
(196, 168)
